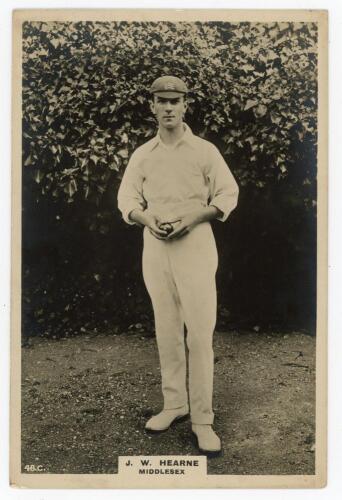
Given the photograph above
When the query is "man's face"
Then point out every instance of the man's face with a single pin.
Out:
(169, 111)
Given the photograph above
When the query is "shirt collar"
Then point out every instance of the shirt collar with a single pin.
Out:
(187, 137)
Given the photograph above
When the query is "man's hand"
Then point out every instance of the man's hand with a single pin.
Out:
(185, 223)
(151, 221)
(156, 231)
(155, 228)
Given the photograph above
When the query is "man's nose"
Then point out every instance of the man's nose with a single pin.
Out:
(168, 106)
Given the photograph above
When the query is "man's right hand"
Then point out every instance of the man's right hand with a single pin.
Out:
(149, 220)
(155, 229)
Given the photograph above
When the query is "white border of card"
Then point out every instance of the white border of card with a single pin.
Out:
(197, 476)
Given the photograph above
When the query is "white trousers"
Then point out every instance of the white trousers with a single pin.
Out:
(180, 278)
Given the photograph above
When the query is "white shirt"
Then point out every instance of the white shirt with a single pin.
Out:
(168, 180)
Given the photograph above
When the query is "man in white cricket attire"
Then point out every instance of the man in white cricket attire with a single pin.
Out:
(174, 185)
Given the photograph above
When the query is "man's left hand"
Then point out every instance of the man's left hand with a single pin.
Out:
(183, 225)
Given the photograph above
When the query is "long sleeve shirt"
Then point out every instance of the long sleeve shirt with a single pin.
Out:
(169, 180)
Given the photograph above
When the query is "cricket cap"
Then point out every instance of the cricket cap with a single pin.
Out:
(168, 86)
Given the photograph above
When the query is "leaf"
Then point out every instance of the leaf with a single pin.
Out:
(38, 177)
(260, 110)
(275, 118)
(247, 67)
(94, 158)
(55, 42)
(250, 104)
(71, 188)
(272, 55)
(113, 166)
(69, 171)
(123, 153)
(28, 161)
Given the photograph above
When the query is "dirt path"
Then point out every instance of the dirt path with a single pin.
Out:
(85, 401)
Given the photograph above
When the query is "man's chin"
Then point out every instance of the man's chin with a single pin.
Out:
(169, 125)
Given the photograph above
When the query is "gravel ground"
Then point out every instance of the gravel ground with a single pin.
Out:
(85, 401)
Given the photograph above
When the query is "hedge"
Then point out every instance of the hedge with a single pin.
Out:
(85, 110)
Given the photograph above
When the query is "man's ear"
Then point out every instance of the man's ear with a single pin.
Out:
(152, 106)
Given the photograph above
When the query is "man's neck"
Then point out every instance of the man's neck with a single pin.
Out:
(171, 136)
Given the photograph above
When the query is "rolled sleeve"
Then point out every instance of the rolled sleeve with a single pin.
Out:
(223, 188)
(130, 195)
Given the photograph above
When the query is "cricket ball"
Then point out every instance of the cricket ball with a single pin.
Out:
(166, 226)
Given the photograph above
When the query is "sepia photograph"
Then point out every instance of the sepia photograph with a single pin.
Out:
(169, 248)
